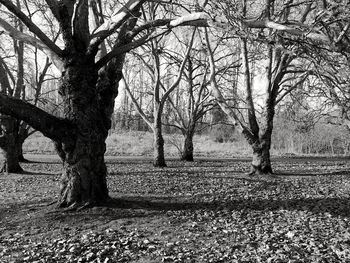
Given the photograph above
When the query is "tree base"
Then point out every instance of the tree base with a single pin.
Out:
(187, 158)
(13, 169)
(159, 164)
(21, 159)
(254, 170)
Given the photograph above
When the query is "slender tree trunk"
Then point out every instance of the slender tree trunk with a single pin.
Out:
(20, 152)
(158, 157)
(187, 152)
(266, 167)
(23, 134)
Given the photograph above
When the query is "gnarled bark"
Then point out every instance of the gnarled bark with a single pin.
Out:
(261, 161)
(84, 176)
(261, 144)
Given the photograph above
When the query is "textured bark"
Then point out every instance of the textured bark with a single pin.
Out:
(11, 163)
(9, 145)
(158, 157)
(84, 176)
(261, 161)
(187, 152)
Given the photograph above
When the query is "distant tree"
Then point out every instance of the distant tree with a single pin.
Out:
(153, 60)
(195, 100)
(16, 83)
(282, 75)
(332, 72)
(189, 105)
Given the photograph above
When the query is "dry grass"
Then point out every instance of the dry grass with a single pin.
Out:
(134, 143)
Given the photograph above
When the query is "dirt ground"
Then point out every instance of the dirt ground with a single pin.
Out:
(205, 211)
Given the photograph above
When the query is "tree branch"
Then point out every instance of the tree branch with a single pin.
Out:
(288, 29)
(51, 126)
(20, 36)
(232, 116)
(181, 69)
(293, 87)
(110, 26)
(5, 87)
(80, 21)
(53, 5)
(195, 19)
(31, 26)
(137, 106)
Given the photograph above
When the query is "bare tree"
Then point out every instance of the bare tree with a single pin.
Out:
(193, 100)
(281, 76)
(189, 106)
(160, 92)
(22, 78)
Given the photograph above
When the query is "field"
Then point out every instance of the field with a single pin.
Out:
(205, 211)
(136, 143)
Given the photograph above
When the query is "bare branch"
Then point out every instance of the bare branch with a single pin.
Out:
(110, 26)
(51, 126)
(293, 87)
(288, 29)
(31, 26)
(215, 88)
(16, 34)
(53, 5)
(195, 19)
(137, 106)
(181, 69)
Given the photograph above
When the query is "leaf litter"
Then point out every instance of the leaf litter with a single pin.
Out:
(206, 211)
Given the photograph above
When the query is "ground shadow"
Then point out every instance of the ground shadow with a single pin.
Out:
(333, 206)
(307, 173)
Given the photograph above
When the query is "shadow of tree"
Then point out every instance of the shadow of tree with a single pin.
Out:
(333, 206)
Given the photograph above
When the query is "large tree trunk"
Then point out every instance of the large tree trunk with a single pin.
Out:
(261, 162)
(10, 153)
(9, 141)
(84, 176)
(187, 152)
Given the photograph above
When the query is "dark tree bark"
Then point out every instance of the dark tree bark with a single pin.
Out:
(158, 156)
(19, 150)
(261, 162)
(9, 141)
(84, 176)
(187, 152)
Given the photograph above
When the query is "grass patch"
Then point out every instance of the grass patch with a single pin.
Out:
(135, 143)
